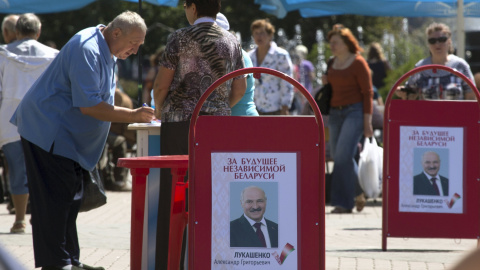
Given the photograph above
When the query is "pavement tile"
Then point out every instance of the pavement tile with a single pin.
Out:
(353, 241)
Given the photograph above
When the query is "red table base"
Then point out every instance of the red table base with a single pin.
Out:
(140, 168)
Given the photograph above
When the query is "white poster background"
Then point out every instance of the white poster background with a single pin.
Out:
(228, 171)
(447, 142)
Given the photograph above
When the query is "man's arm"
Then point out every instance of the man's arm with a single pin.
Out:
(106, 112)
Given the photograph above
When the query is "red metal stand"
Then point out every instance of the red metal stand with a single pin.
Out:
(301, 135)
(307, 141)
(178, 217)
(431, 114)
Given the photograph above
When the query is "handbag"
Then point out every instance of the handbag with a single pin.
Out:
(370, 168)
(324, 95)
(93, 191)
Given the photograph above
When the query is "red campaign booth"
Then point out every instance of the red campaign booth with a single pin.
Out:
(282, 155)
(417, 134)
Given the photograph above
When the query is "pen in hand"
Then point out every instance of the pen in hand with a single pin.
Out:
(153, 107)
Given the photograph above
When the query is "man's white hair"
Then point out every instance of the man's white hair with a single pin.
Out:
(9, 22)
(128, 20)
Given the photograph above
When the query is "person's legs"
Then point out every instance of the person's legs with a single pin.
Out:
(118, 144)
(71, 237)
(173, 141)
(114, 177)
(18, 183)
(346, 127)
(55, 185)
(104, 168)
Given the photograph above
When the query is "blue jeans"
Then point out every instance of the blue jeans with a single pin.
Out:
(16, 164)
(346, 128)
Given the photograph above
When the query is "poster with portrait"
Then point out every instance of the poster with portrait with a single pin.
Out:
(431, 169)
(250, 188)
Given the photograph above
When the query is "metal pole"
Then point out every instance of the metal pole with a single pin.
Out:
(460, 30)
(140, 65)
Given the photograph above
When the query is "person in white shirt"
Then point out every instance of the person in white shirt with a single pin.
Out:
(21, 63)
(273, 95)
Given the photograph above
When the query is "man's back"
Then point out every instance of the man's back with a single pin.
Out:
(52, 105)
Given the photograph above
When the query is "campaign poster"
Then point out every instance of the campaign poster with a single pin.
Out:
(431, 169)
(254, 211)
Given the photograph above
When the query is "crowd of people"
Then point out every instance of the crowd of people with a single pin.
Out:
(58, 130)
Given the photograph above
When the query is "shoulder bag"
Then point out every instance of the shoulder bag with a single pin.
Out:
(324, 95)
(93, 191)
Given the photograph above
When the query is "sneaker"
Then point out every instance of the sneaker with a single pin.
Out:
(66, 267)
(83, 266)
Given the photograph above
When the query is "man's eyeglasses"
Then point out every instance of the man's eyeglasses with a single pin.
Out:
(439, 39)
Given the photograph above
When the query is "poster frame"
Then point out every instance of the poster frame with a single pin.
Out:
(418, 113)
(303, 135)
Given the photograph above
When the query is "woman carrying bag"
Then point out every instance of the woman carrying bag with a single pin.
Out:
(350, 116)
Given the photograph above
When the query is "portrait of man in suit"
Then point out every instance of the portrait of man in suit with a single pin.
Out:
(252, 229)
(430, 182)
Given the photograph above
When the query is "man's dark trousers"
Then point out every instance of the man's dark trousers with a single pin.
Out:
(55, 187)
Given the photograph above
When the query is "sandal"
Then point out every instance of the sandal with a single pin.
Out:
(18, 227)
(360, 202)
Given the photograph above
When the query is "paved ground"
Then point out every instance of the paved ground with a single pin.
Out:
(353, 241)
(104, 235)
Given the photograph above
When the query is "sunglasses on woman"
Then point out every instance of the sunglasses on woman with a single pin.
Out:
(435, 40)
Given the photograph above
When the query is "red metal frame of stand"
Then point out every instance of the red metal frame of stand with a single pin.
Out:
(464, 114)
(303, 135)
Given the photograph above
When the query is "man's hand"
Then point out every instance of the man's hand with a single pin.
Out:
(405, 93)
(143, 115)
(106, 112)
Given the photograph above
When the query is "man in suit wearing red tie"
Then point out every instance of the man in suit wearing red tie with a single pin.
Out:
(252, 229)
(429, 182)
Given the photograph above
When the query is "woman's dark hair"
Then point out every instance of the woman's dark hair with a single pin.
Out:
(205, 8)
(347, 37)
